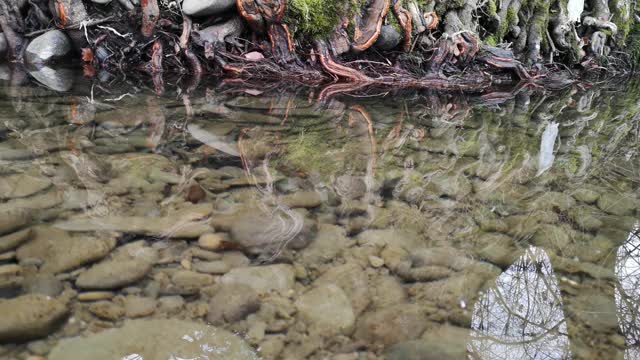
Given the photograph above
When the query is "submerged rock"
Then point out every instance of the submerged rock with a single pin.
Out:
(12, 241)
(391, 325)
(19, 186)
(59, 251)
(440, 343)
(30, 316)
(206, 7)
(171, 226)
(260, 231)
(327, 310)
(129, 264)
(48, 47)
(262, 279)
(232, 303)
(618, 204)
(156, 339)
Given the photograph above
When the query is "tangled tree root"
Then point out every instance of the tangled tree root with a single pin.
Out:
(463, 44)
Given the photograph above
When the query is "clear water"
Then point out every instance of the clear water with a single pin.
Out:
(383, 224)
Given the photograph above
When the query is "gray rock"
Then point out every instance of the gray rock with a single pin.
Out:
(170, 305)
(156, 339)
(353, 280)
(128, 264)
(59, 251)
(327, 310)
(106, 310)
(206, 7)
(232, 303)
(440, 343)
(391, 325)
(212, 267)
(389, 38)
(30, 316)
(618, 204)
(137, 306)
(170, 226)
(406, 239)
(12, 241)
(48, 47)
(101, 2)
(302, 199)
(190, 282)
(19, 186)
(45, 284)
(213, 34)
(330, 241)
(350, 187)
(262, 279)
(260, 232)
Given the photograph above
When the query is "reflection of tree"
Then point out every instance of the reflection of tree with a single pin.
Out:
(627, 292)
(521, 317)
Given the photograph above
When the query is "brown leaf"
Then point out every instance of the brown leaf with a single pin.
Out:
(87, 55)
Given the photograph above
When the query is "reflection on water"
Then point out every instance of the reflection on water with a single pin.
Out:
(628, 292)
(313, 224)
(522, 316)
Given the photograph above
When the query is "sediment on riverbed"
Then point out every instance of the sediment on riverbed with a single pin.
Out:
(466, 44)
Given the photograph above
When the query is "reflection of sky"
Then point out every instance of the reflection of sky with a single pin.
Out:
(521, 317)
(628, 292)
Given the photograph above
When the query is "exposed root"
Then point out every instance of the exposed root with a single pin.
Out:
(368, 25)
(150, 16)
(404, 19)
(336, 69)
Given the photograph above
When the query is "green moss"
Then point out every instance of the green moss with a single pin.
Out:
(633, 45)
(491, 40)
(317, 18)
(492, 8)
(311, 152)
(510, 19)
(621, 16)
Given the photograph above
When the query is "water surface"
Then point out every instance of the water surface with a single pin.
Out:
(372, 225)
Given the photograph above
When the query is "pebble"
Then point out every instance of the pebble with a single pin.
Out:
(232, 303)
(45, 284)
(375, 261)
(106, 310)
(206, 7)
(212, 242)
(263, 279)
(190, 282)
(136, 306)
(204, 254)
(212, 267)
(95, 296)
(30, 316)
(170, 304)
(11, 221)
(327, 310)
(12, 241)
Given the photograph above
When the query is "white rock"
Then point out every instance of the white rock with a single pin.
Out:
(206, 7)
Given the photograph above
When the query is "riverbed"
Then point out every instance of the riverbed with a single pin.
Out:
(281, 222)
